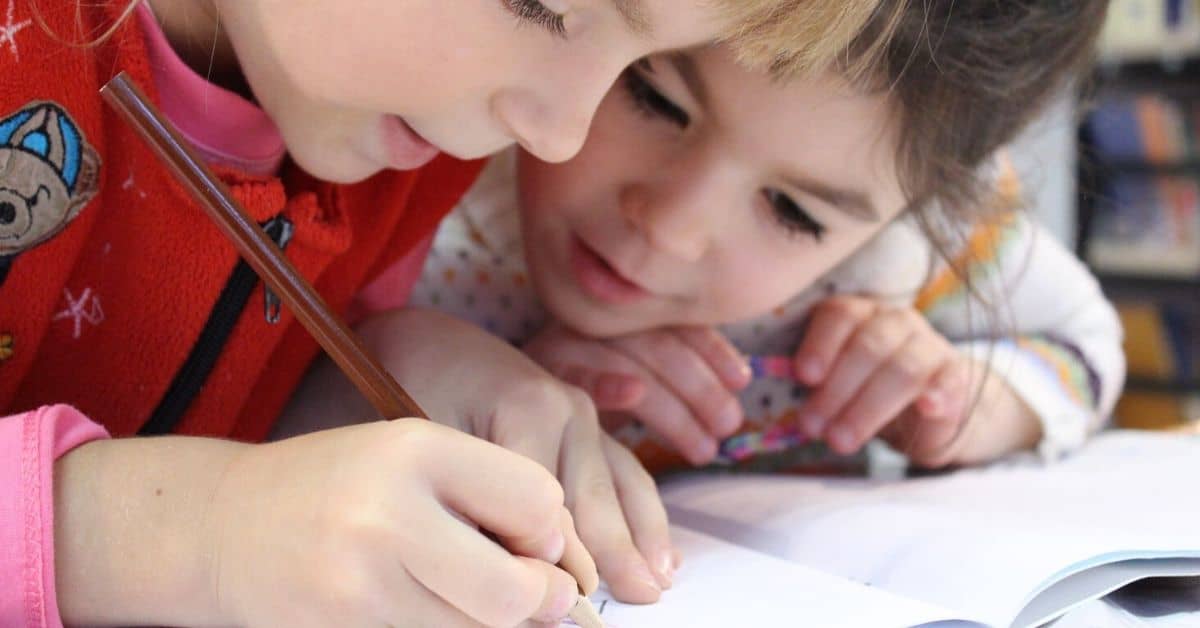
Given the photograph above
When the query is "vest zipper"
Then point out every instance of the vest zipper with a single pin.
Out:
(272, 306)
(190, 378)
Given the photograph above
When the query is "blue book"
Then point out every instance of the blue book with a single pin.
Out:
(1116, 130)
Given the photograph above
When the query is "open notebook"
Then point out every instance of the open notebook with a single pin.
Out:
(1016, 544)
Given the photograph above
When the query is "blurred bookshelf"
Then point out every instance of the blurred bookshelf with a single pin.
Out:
(1139, 201)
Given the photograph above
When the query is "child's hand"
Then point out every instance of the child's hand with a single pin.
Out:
(379, 524)
(881, 370)
(680, 382)
(375, 524)
(475, 382)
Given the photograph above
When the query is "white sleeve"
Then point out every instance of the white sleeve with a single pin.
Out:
(1038, 317)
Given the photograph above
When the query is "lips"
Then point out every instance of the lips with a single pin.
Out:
(599, 280)
(406, 150)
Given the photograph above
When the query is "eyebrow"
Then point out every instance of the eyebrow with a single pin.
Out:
(693, 79)
(853, 202)
(634, 14)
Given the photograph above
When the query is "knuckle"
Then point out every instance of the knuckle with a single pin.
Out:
(597, 489)
(351, 591)
(579, 400)
(545, 500)
(658, 342)
(543, 399)
(410, 439)
(909, 368)
(872, 341)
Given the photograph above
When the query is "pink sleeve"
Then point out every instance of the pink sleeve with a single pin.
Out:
(29, 445)
(391, 289)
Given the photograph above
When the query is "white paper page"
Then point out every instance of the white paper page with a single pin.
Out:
(722, 585)
(983, 541)
(1074, 590)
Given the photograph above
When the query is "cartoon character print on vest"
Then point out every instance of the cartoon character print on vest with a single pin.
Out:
(48, 173)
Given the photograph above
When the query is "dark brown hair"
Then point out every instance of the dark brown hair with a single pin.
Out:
(965, 76)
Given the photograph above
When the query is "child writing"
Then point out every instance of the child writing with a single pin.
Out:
(325, 119)
(707, 194)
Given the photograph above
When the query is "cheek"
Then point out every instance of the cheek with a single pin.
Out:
(756, 279)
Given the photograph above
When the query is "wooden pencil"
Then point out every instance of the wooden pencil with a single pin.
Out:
(342, 344)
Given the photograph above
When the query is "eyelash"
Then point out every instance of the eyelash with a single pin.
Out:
(651, 102)
(536, 13)
(792, 216)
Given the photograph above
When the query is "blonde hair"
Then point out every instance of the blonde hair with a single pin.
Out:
(797, 37)
(82, 38)
(784, 37)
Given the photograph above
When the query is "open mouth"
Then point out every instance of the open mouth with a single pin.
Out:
(599, 279)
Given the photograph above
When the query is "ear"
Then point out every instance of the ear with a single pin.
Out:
(87, 184)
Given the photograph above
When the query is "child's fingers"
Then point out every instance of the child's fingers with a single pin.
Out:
(664, 413)
(885, 394)
(576, 559)
(613, 380)
(949, 392)
(609, 391)
(487, 499)
(683, 371)
(406, 602)
(873, 343)
(476, 575)
(720, 354)
(600, 516)
(831, 325)
(926, 441)
(532, 422)
(644, 511)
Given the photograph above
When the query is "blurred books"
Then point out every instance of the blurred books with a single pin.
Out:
(1147, 30)
(1162, 346)
(1147, 210)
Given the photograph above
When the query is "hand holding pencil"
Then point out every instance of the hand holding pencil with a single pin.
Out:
(450, 576)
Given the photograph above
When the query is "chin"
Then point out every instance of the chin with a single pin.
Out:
(584, 320)
(344, 171)
(329, 158)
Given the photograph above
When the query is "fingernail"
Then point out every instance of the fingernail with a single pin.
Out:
(813, 425)
(729, 418)
(564, 601)
(642, 574)
(555, 547)
(704, 451)
(842, 439)
(666, 569)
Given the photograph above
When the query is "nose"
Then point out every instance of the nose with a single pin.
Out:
(671, 220)
(550, 115)
(551, 131)
(8, 213)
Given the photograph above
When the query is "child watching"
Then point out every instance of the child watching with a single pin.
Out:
(119, 297)
(708, 195)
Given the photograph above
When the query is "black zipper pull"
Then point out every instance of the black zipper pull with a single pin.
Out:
(280, 230)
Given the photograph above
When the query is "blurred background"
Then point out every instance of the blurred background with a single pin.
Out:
(1114, 171)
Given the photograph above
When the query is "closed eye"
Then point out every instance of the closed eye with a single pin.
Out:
(792, 216)
(536, 13)
(651, 102)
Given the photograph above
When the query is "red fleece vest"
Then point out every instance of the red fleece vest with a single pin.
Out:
(110, 270)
